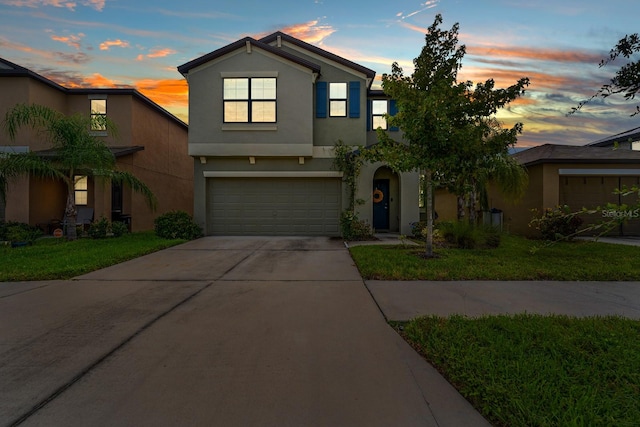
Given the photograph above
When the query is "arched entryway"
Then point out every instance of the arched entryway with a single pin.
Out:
(386, 200)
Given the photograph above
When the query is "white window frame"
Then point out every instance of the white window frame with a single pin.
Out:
(81, 190)
(337, 99)
(377, 115)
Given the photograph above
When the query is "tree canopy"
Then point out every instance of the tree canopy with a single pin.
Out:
(448, 127)
(626, 79)
(74, 151)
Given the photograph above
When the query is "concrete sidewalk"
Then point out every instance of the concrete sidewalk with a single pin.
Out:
(406, 300)
(219, 331)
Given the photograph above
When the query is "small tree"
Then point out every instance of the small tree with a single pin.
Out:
(75, 151)
(444, 122)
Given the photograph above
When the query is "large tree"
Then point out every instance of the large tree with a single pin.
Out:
(75, 151)
(627, 78)
(444, 122)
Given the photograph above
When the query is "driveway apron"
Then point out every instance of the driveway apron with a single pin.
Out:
(218, 331)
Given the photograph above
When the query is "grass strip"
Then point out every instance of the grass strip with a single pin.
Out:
(513, 260)
(52, 259)
(531, 370)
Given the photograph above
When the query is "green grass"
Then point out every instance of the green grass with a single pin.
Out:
(513, 260)
(50, 259)
(528, 370)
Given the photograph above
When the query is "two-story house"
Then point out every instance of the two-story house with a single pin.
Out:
(151, 143)
(264, 116)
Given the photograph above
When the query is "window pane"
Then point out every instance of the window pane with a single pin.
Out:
(98, 106)
(337, 90)
(236, 112)
(263, 111)
(263, 88)
(379, 122)
(338, 108)
(81, 197)
(379, 106)
(236, 88)
(81, 183)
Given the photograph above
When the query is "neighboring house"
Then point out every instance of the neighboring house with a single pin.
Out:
(151, 143)
(629, 140)
(577, 176)
(264, 116)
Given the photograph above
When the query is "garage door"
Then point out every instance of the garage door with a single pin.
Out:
(273, 206)
(592, 191)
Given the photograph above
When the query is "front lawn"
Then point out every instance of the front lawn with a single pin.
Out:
(531, 370)
(50, 258)
(513, 260)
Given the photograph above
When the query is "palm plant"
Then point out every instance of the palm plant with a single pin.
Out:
(75, 150)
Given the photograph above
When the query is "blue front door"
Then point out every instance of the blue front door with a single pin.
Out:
(380, 199)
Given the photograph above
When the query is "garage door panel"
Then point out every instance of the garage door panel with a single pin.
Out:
(273, 206)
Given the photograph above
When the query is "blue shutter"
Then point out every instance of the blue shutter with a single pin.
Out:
(354, 100)
(369, 107)
(393, 110)
(321, 100)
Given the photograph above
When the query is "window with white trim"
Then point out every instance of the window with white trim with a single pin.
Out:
(337, 99)
(98, 114)
(81, 188)
(379, 110)
(249, 100)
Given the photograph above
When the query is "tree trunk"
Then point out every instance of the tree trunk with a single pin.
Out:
(472, 208)
(70, 215)
(428, 182)
(460, 207)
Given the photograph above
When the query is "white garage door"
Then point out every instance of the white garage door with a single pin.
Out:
(273, 206)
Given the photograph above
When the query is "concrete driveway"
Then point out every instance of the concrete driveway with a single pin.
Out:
(218, 331)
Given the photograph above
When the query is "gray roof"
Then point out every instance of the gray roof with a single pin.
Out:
(552, 153)
(630, 135)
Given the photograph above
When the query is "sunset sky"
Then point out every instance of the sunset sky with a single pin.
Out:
(557, 44)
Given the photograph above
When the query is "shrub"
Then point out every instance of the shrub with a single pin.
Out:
(177, 225)
(557, 224)
(354, 228)
(102, 229)
(19, 232)
(418, 229)
(463, 235)
(118, 228)
(99, 229)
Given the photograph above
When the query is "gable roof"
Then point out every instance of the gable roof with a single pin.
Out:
(630, 135)
(552, 153)
(9, 69)
(311, 48)
(242, 44)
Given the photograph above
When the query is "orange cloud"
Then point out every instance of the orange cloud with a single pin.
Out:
(309, 32)
(106, 45)
(72, 40)
(533, 53)
(169, 92)
(160, 53)
(98, 80)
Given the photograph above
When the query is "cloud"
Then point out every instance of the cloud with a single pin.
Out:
(310, 32)
(530, 53)
(76, 58)
(71, 5)
(106, 45)
(166, 92)
(71, 40)
(429, 4)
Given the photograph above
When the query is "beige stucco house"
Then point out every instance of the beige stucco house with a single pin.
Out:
(264, 116)
(576, 176)
(151, 143)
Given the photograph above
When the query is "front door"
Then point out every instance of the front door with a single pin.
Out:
(380, 199)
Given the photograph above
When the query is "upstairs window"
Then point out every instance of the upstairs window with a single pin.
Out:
(81, 188)
(98, 114)
(379, 109)
(249, 100)
(337, 99)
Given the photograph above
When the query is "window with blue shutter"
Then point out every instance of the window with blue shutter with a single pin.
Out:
(354, 100)
(321, 100)
(393, 110)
